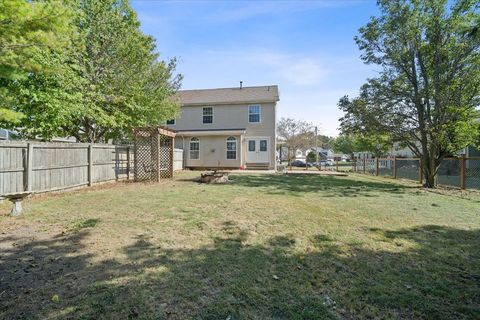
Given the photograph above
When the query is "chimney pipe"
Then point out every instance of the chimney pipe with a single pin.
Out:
(241, 84)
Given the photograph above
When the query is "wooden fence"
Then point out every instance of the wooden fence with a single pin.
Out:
(458, 172)
(44, 167)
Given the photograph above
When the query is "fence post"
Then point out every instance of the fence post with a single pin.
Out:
(376, 166)
(29, 168)
(463, 168)
(128, 162)
(394, 167)
(90, 164)
(364, 165)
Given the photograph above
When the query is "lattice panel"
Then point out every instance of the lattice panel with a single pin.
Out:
(153, 155)
(165, 155)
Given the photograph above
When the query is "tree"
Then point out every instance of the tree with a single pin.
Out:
(107, 81)
(26, 28)
(377, 145)
(126, 85)
(311, 157)
(428, 86)
(345, 144)
(294, 135)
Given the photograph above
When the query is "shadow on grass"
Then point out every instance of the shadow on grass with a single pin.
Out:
(328, 186)
(437, 277)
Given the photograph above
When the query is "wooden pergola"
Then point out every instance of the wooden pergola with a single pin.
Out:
(154, 147)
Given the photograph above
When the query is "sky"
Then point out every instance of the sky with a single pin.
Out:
(306, 47)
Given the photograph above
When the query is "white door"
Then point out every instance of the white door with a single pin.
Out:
(257, 150)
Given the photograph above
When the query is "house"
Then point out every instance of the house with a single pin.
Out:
(227, 127)
(5, 134)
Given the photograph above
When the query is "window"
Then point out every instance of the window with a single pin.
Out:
(251, 145)
(208, 115)
(194, 148)
(254, 113)
(171, 122)
(263, 145)
(231, 148)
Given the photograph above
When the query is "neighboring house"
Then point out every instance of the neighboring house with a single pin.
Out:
(5, 134)
(228, 127)
(301, 155)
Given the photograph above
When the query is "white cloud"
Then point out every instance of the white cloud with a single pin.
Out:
(294, 69)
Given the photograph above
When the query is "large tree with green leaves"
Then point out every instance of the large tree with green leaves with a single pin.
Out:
(126, 83)
(26, 29)
(428, 87)
(108, 80)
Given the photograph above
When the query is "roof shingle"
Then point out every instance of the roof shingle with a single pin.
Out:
(229, 95)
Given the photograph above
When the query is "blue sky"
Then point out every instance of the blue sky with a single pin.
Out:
(305, 47)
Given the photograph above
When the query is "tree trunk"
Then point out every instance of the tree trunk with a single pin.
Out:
(429, 168)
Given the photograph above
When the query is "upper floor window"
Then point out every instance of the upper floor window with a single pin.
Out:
(208, 115)
(171, 122)
(254, 113)
(231, 148)
(194, 148)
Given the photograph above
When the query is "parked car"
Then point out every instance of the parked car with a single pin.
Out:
(298, 163)
(326, 163)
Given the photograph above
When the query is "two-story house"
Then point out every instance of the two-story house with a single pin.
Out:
(228, 127)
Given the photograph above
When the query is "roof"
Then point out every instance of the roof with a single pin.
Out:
(229, 95)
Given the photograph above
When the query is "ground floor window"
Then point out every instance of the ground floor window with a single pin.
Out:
(194, 148)
(231, 148)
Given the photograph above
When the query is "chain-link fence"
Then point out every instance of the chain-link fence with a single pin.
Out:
(472, 173)
(462, 172)
(408, 168)
(370, 166)
(386, 167)
(449, 173)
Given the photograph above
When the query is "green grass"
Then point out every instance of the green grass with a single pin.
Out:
(260, 247)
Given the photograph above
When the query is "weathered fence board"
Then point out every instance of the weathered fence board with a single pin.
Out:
(42, 167)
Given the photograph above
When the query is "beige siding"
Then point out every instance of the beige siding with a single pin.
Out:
(213, 152)
(226, 117)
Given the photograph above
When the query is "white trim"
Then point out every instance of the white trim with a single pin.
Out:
(212, 132)
(236, 148)
(190, 150)
(259, 113)
(213, 115)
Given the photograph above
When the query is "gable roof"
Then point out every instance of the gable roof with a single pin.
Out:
(229, 95)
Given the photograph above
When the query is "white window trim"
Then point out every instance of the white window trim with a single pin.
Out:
(259, 112)
(236, 148)
(190, 150)
(213, 115)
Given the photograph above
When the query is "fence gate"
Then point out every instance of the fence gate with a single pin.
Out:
(154, 147)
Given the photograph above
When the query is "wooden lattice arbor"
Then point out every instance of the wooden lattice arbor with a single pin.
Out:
(154, 147)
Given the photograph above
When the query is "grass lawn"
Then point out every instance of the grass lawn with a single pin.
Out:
(260, 247)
